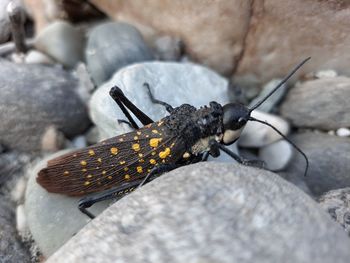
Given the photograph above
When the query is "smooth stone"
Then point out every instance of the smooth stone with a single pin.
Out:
(277, 155)
(12, 249)
(343, 132)
(326, 74)
(178, 84)
(329, 161)
(34, 97)
(319, 104)
(5, 25)
(63, 42)
(256, 135)
(337, 204)
(52, 218)
(272, 101)
(211, 213)
(37, 57)
(111, 46)
(168, 48)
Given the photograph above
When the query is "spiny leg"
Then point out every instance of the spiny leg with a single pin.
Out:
(124, 103)
(167, 106)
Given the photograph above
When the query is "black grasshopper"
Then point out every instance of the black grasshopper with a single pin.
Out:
(119, 165)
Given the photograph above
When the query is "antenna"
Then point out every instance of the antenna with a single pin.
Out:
(280, 84)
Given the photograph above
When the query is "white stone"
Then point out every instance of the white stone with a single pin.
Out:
(256, 134)
(326, 74)
(21, 222)
(37, 57)
(343, 132)
(277, 155)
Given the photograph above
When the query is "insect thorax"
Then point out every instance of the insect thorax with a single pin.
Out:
(195, 126)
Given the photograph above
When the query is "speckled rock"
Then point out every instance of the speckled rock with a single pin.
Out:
(112, 46)
(211, 213)
(321, 104)
(34, 97)
(329, 161)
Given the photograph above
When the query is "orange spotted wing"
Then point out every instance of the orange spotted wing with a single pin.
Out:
(116, 161)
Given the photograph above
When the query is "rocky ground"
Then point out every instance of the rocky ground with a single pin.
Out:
(55, 98)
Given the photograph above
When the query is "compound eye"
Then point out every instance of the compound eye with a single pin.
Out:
(242, 121)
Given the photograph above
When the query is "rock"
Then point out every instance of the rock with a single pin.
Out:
(337, 204)
(343, 132)
(257, 135)
(112, 46)
(34, 97)
(320, 104)
(277, 155)
(11, 248)
(5, 25)
(211, 213)
(168, 48)
(272, 101)
(326, 74)
(61, 41)
(36, 57)
(52, 218)
(52, 140)
(329, 161)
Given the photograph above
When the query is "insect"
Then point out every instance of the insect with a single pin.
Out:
(119, 165)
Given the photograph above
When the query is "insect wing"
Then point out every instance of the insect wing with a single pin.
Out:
(120, 160)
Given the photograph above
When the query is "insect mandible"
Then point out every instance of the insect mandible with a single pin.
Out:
(119, 165)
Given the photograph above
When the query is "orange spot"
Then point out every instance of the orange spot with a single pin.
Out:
(114, 150)
(91, 152)
(164, 154)
(136, 147)
(139, 169)
(66, 173)
(109, 177)
(141, 161)
(154, 142)
(152, 161)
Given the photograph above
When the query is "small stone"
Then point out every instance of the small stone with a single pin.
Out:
(329, 161)
(37, 57)
(61, 41)
(112, 46)
(52, 140)
(326, 74)
(277, 155)
(257, 135)
(337, 204)
(319, 104)
(21, 222)
(223, 208)
(272, 101)
(34, 97)
(343, 132)
(168, 48)
(79, 142)
(52, 218)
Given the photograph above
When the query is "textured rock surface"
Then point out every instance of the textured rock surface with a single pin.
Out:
(11, 249)
(322, 104)
(53, 219)
(5, 26)
(329, 161)
(337, 204)
(61, 41)
(112, 46)
(211, 213)
(34, 97)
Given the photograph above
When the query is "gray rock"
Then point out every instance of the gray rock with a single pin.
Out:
(337, 204)
(211, 213)
(329, 161)
(11, 248)
(256, 135)
(321, 104)
(271, 103)
(277, 155)
(52, 218)
(168, 48)
(61, 41)
(5, 25)
(112, 46)
(34, 97)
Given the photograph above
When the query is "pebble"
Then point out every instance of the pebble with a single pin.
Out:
(256, 135)
(343, 132)
(326, 74)
(52, 139)
(52, 218)
(329, 161)
(63, 42)
(319, 104)
(337, 204)
(277, 155)
(34, 97)
(168, 48)
(272, 101)
(37, 57)
(211, 213)
(111, 46)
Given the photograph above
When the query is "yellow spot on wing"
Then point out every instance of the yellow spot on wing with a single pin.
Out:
(140, 155)
(186, 155)
(160, 123)
(66, 173)
(104, 172)
(121, 139)
(91, 152)
(83, 162)
(141, 161)
(154, 131)
(99, 160)
(154, 142)
(89, 176)
(127, 177)
(152, 161)
(164, 154)
(84, 170)
(136, 147)
(122, 162)
(109, 177)
(126, 169)
(136, 138)
(138, 133)
(86, 183)
(114, 150)
(139, 169)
